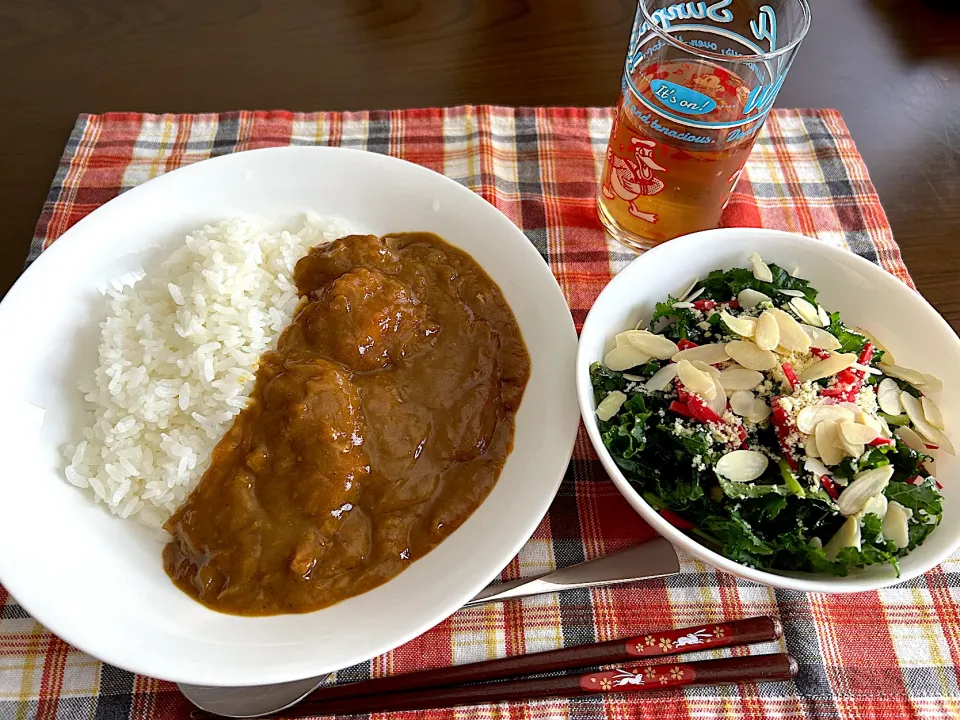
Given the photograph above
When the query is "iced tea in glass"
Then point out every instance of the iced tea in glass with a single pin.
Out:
(699, 80)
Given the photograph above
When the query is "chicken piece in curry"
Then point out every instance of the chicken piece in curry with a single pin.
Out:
(378, 425)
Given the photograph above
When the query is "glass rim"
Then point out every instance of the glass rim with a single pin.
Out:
(709, 55)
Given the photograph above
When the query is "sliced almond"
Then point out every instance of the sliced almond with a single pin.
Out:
(719, 401)
(828, 367)
(901, 373)
(738, 378)
(810, 446)
(742, 326)
(709, 369)
(888, 356)
(827, 434)
(767, 335)
(911, 439)
(847, 536)
(661, 379)
(864, 486)
(687, 290)
(896, 526)
(709, 354)
(625, 357)
(633, 378)
(741, 402)
(812, 415)
(931, 412)
(761, 271)
(696, 381)
(610, 405)
(742, 465)
(807, 311)
(792, 336)
(654, 345)
(931, 383)
(823, 315)
(888, 397)
(852, 407)
(682, 305)
(817, 468)
(751, 356)
(623, 339)
(795, 272)
(750, 298)
(886, 428)
(820, 338)
(760, 411)
(693, 296)
(927, 431)
(876, 505)
(854, 450)
(883, 430)
(790, 293)
(858, 434)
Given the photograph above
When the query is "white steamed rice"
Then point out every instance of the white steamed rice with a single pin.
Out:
(178, 352)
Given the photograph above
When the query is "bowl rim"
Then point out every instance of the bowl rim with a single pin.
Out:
(793, 581)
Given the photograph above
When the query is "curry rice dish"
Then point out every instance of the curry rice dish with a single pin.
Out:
(378, 425)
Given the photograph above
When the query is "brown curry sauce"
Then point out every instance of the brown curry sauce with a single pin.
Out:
(376, 428)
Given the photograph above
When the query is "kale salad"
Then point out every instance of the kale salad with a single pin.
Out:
(758, 422)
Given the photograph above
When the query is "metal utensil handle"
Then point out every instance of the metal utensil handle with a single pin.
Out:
(652, 559)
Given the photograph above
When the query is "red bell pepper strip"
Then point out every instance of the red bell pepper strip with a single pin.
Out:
(675, 520)
(790, 374)
(837, 393)
(734, 304)
(742, 432)
(847, 386)
(850, 381)
(697, 407)
(828, 485)
(704, 305)
(880, 442)
(847, 377)
(679, 408)
(784, 428)
(819, 353)
(685, 344)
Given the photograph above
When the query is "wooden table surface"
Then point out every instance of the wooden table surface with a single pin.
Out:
(891, 67)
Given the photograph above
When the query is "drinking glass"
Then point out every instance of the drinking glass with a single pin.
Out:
(699, 80)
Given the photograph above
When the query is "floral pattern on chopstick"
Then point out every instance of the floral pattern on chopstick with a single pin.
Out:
(670, 642)
(637, 679)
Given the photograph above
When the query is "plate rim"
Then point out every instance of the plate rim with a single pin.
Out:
(142, 662)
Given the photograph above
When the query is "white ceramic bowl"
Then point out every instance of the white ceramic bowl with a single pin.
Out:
(865, 295)
(98, 582)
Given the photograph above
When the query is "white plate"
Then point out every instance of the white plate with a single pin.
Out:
(98, 582)
(865, 295)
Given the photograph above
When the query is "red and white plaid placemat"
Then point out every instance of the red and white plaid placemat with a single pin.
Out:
(887, 654)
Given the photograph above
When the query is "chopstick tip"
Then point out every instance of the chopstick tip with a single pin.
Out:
(794, 666)
(777, 629)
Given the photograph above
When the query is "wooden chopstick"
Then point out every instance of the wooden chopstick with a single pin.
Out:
(442, 687)
(650, 645)
(644, 678)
